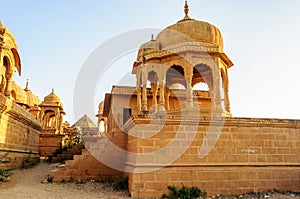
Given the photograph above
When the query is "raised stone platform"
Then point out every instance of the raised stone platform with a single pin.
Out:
(19, 135)
(218, 155)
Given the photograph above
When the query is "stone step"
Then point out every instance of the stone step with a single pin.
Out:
(62, 166)
(80, 166)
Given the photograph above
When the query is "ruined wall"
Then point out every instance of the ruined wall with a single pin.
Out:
(19, 134)
(250, 155)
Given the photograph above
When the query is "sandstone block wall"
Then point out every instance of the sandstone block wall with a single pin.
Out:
(19, 134)
(48, 143)
(250, 155)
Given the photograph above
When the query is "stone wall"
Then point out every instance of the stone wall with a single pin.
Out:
(249, 155)
(19, 134)
(48, 143)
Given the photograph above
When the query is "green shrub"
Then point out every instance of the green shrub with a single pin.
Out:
(5, 159)
(4, 174)
(49, 158)
(184, 193)
(57, 151)
(120, 183)
(49, 179)
(27, 162)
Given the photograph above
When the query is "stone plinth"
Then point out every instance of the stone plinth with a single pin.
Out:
(19, 134)
(247, 155)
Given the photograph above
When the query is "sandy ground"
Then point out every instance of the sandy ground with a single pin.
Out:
(26, 183)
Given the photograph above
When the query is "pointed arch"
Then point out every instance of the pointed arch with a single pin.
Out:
(175, 75)
(17, 60)
(201, 73)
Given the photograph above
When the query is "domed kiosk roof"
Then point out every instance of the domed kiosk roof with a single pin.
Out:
(190, 29)
(51, 98)
(185, 36)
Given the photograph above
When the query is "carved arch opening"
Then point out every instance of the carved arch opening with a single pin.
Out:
(49, 119)
(8, 75)
(202, 73)
(17, 60)
(175, 75)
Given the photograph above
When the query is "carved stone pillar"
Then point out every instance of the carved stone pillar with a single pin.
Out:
(8, 87)
(138, 92)
(168, 99)
(154, 89)
(139, 100)
(2, 85)
(161, 75)
(60, 127)
(144, 99)
(162, 96)
(46, 121)
(226, 96)
(216, 88)
(189, 94)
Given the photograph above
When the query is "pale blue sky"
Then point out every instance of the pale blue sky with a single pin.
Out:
(261, 38)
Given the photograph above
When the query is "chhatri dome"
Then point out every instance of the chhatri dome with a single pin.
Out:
(198, 31)
(186, 30)
(51, 98)
(187, 53)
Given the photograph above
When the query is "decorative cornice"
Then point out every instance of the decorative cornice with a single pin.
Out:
(126, 90)
(204, 120)
(137, 165)
(191, 46)
(19, 151)
(18, 113)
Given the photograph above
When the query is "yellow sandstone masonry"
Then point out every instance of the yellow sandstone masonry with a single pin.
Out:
(239, 166)
(19, 132)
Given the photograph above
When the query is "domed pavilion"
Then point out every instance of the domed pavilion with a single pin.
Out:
(187, 53)
(52, 114)
(175, 127)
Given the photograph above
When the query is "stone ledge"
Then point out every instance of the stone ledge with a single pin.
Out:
(18, 113)
(18, 151)
(213, 121)
(159, 166)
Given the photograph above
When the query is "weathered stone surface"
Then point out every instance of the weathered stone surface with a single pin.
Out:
(19, 135)
(240, 162)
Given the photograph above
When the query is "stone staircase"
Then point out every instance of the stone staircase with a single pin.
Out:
(85, 167)
(68, 154)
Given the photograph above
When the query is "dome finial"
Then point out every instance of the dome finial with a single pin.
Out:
(152, 37)
(53, 90)
(26, 87)
(186, 11)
